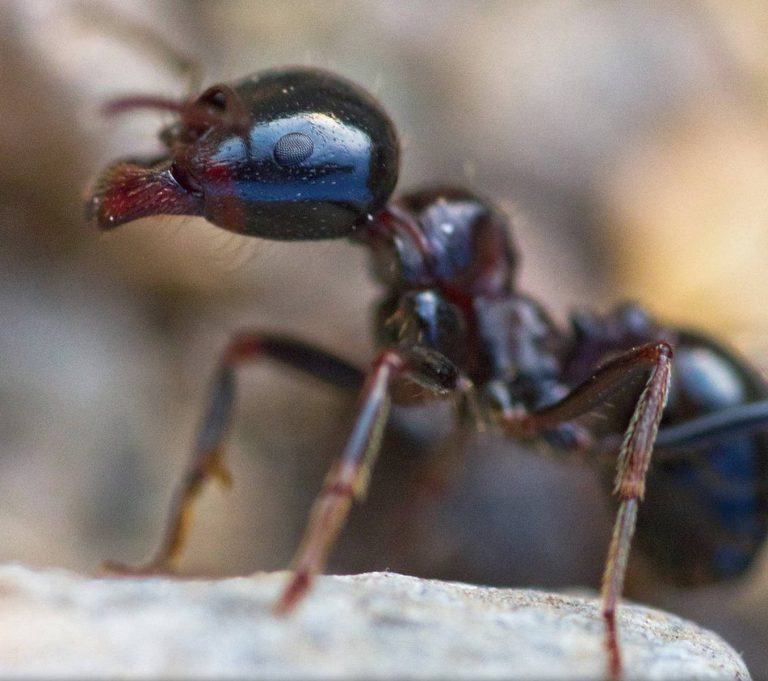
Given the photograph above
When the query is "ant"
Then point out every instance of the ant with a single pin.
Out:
(301, 153)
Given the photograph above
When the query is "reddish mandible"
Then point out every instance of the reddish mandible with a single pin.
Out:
(301, 153)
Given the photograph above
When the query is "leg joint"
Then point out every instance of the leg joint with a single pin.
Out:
(243, 346)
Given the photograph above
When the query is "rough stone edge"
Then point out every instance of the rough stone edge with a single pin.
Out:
(655, 624)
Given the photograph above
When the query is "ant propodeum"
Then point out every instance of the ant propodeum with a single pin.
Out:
(301, 153)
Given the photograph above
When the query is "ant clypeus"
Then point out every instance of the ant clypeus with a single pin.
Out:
(301, 153)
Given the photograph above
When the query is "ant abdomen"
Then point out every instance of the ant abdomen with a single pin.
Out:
(705, 513)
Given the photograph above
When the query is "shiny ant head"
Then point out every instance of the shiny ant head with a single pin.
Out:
(286, 154)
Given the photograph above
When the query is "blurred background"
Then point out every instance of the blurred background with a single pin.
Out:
(629, 142)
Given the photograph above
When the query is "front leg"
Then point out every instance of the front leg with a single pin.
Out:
(347, 480)
(653, 360)
(206, 462)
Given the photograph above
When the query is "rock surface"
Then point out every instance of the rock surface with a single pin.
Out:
(376, 625)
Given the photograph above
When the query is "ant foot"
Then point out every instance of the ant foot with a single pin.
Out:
(293, 593)
(110, 568)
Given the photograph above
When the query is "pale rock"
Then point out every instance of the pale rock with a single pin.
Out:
(376, 625)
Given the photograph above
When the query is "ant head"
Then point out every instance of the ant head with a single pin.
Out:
(286, 154)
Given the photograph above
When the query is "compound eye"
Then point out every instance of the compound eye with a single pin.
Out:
(293, 148)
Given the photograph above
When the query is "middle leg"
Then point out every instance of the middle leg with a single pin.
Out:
(418, 366)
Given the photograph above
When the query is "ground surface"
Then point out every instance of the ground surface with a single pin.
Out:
(375, 625)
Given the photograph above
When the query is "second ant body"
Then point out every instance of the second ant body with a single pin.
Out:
(303, 154)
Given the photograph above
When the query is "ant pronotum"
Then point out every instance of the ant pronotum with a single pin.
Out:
(301, 153)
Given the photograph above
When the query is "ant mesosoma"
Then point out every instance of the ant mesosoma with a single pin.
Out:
(301, 153)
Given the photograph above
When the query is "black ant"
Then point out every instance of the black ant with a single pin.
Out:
(301, 153)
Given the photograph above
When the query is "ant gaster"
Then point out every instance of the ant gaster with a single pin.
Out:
(301, 153)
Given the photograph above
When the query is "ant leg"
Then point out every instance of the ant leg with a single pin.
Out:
(737, 419)
(633, 460)
(206, 462)
(347, 480)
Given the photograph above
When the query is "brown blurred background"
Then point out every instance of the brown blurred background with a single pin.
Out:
(630, 142)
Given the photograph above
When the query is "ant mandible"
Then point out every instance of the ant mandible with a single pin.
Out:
(301, 153)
